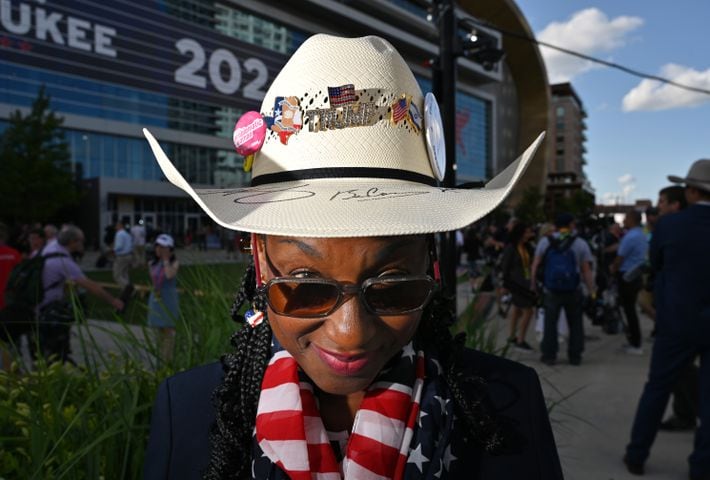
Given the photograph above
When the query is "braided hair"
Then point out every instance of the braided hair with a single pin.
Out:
(236, 399)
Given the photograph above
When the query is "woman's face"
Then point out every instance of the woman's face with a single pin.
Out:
(343, 352)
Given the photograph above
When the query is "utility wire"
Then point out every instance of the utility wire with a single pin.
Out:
(617, 66)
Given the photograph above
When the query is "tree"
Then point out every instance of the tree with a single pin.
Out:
(36, 180)
(530, 209)
(580, 204)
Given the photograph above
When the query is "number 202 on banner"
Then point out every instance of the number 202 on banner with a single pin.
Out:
(190, 73)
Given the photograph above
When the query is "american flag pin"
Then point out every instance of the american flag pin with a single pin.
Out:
(400, 109)
(342, 95)
(254, 317)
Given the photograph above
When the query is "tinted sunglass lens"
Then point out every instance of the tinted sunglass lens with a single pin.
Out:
(393, 297)
(302, 299)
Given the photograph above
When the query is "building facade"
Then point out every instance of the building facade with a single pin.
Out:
(565, 165)
(187, 69)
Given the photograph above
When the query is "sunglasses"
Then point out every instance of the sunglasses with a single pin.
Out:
(309, 297)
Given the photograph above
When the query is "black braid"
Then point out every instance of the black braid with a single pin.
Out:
(236, 399)
(485, 428)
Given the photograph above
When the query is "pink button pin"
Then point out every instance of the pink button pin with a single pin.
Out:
(249, 133)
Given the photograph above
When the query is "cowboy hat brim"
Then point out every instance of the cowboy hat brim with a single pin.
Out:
(691, 182)
(348, 207)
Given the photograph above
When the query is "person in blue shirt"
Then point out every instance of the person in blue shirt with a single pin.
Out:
(628, 266)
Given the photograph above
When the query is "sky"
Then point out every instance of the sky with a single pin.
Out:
(638, 131)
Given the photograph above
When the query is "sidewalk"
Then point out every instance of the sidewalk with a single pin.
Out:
(592, 426)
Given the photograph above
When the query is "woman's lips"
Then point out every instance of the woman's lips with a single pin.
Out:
(343, 364)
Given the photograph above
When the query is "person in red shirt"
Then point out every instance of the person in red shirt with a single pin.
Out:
(9, 257)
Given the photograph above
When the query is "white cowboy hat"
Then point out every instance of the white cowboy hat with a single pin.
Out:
(347, 152)
(698, 176)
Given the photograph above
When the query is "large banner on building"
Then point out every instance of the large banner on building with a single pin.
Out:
(139, 43)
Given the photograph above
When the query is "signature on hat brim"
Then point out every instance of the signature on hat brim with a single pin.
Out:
(348, 207)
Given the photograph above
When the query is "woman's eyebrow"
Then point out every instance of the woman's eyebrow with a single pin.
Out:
(391, 248)
(304, 247)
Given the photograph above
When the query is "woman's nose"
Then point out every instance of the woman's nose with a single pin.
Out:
(352, 327)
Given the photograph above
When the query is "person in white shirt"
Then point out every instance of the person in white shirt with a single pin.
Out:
(123, 252)
(138, 237)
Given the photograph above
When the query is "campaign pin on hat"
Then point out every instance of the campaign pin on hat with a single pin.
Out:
(336, 165)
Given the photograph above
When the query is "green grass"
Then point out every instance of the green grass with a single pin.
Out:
(226, 277)
(91, 422)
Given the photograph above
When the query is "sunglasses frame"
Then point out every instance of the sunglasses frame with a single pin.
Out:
(346, 290)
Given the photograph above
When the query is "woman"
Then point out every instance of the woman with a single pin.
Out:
(163, 303)
(515, 267)
(345, 367)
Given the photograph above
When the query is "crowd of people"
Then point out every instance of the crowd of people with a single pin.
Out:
(603, 269)
(42, 283)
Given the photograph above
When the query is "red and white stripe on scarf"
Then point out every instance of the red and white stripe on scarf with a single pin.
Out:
(291, 433)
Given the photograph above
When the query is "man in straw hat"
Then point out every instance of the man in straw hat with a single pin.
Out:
(679, 257)
(344, 366)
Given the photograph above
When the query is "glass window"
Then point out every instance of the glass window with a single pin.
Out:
(560, 111)
(94, 153)
(109, 157)
(122, 161)
(560, 164)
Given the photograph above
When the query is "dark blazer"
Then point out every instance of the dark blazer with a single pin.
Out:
(179, 445)
(680, 257)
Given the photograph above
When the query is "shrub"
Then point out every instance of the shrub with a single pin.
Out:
(92, 421)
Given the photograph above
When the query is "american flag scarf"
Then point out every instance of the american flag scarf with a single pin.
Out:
(388, 439)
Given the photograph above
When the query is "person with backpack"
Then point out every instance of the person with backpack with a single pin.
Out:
(59, 268)
(565, 260)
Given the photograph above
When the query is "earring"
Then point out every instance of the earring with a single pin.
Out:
(245, 243)
(254, 317)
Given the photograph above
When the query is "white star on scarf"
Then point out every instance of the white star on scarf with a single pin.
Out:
(448, 457)
(442, 402)
(422, 414)
(408, 352)
(416, 457)
(441, 467)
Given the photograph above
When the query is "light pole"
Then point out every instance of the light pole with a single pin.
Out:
(444, 75)
(444, 87)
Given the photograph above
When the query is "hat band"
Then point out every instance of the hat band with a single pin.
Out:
(340, 172)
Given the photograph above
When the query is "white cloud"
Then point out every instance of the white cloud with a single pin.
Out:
(588, 31)
(626, 179)
(654, 95)
(610, 198)
(627, 185)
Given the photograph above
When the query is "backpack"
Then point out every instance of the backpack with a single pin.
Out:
(24, 288)
(560, 266)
